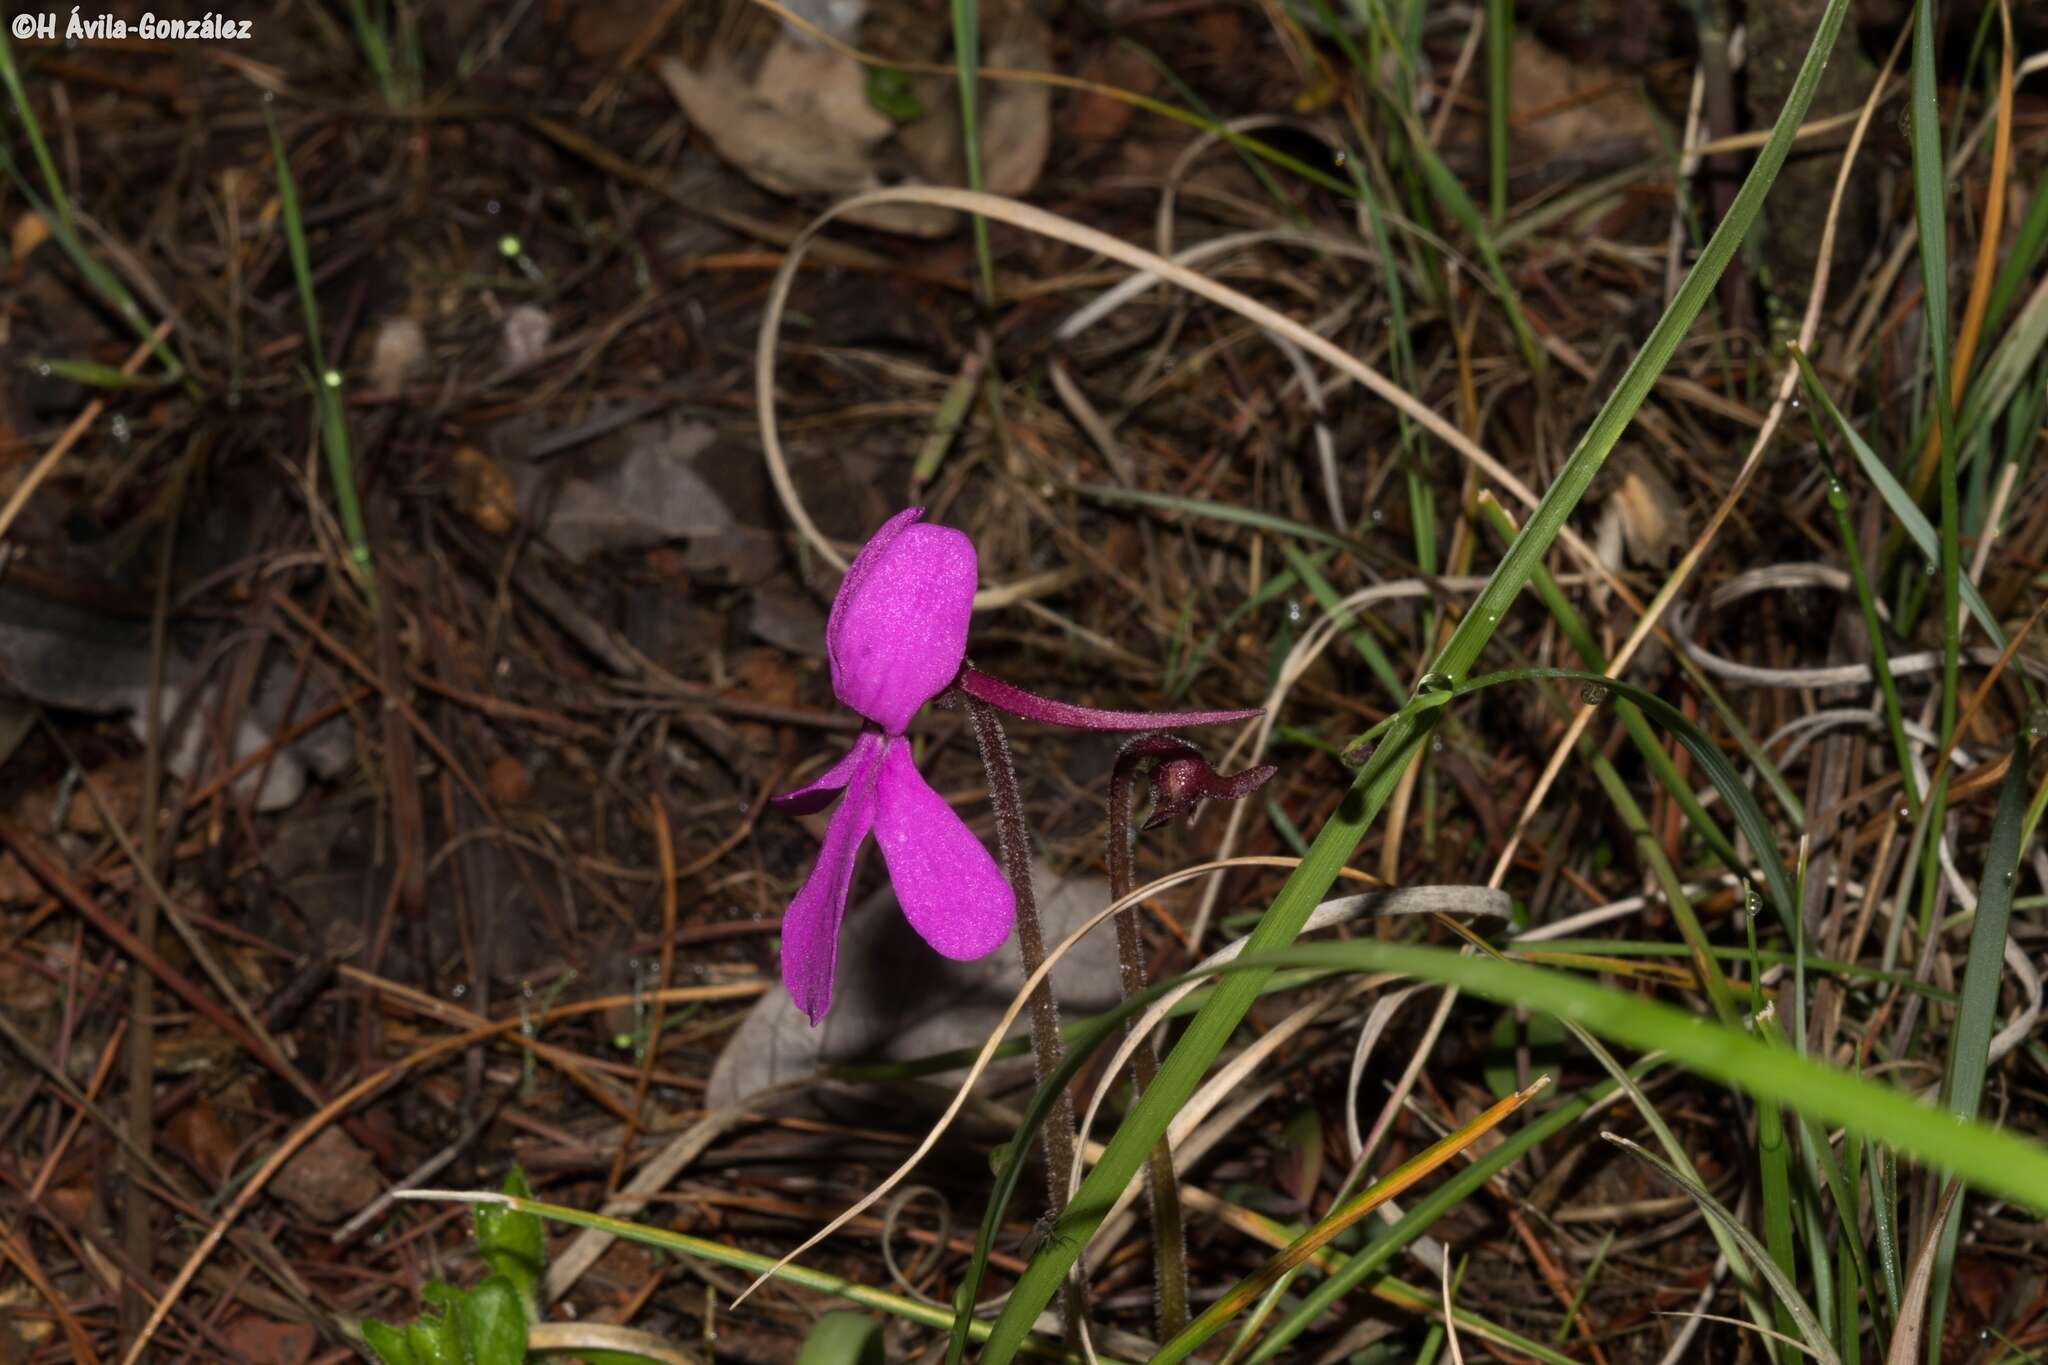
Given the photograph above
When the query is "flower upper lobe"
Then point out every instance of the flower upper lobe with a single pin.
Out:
(898, 630)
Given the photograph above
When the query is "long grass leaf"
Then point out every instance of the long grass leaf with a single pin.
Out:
(1911, 519)
(1786, 1293)
(326, 382)
(1969, 1046)
(717, 1253)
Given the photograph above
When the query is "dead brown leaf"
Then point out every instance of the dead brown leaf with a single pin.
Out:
(260, 1338)
(481, 491)
(1567, 108)
(331, 1178)
(197, 1131)
(800, 125)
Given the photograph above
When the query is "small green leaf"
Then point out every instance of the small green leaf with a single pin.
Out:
(389, 1343)
(436, 1340)
(513, 1242)
(440, 1294)
(890, 92)
(843, 1338)
(93, 374)
(494, 1323)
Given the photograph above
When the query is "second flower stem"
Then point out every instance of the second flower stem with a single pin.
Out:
(1169, 1237)
(1013, 845)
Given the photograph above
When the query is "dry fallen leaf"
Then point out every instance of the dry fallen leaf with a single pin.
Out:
(261, 1338)
(1643, 514)
(1016, 116)
(481, 491)
(1560, 107)
(30, 232)
(800, 125)
(330, 1178)
(650, 494)
(954, 1006)
(397, 354)
(196, 1130)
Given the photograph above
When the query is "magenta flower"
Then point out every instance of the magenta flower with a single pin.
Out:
(897, 637)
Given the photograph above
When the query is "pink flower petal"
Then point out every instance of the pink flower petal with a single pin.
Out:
(810, 927)
(817, 794)
(899, 625)
(950, 888)
(1031, 706)
(869, 554)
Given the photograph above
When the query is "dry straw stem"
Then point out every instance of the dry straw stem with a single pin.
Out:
(368, 1086)
(1002, 1031)
(1089, 239)
(1788, 385)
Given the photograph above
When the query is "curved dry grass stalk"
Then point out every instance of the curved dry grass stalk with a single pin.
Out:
(1051, 225)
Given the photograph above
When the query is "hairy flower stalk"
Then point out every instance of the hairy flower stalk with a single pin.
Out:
(1181, 779)
(1013, 849)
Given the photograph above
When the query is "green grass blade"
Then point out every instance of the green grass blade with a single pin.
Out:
(1969, 1046)
(1774, 1179)
(326, 382)
(1782, 1289)
(1989, 1157)
(1212, 1027)
(93, 374)
(1327, 597)
(1588, 649)
(113, 291)
(716, 1253)
(1500, 39)
(1930, 195)
(33, 128)
(1930, 216)
(1614, 416)
(2003, 375)
(1873, 629)
(1742, 804)
(843, 1338)
(1982, 1153)
(1213, 511)
(2027, 247)
(967, 67)
(1424, 1213)
(1911, 519)
(376, 52)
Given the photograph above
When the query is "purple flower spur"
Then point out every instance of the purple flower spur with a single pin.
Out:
(897, 637)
